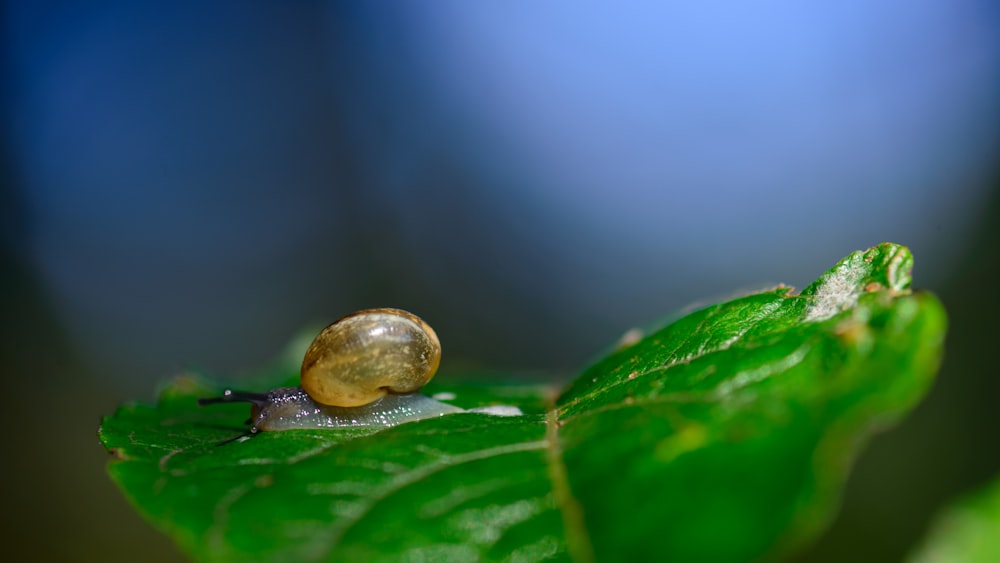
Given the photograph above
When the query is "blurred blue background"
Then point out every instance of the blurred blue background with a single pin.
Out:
(187, 185)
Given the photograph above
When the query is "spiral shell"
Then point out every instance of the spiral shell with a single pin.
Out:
(368, 354)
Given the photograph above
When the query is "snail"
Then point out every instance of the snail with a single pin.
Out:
(365, 369)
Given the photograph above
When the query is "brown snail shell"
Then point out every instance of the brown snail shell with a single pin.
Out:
(364, 356)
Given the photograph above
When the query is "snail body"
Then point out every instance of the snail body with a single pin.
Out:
(363, 370)
(291, 408)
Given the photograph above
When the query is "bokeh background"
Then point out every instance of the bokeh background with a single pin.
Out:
(185, 186)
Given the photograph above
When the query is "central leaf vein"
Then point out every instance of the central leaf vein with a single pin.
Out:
(577, 536)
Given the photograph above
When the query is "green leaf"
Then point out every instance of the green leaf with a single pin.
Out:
(724, 436)
(969, 531)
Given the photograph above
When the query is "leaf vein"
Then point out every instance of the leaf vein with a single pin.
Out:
(343, 525)
(577, 536)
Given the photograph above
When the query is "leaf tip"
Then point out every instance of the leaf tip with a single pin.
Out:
(887, 266)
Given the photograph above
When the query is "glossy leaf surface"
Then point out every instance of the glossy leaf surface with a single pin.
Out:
(724, 436)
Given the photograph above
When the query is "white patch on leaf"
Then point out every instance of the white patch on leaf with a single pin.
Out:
(499, 410)
(838, 292)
